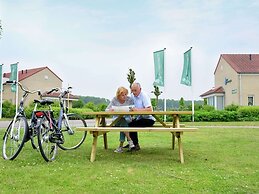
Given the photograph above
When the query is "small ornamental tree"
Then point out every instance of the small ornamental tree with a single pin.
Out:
(181, 104)
(157, 93)
(131, 77)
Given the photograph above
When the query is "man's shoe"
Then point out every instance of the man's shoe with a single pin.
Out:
(126, 146)
(132, 149)
(137, 147)
(131, 145)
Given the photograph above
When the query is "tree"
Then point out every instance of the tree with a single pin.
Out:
(131, 77)
(78, 104)
(157, 93)
(181, 104)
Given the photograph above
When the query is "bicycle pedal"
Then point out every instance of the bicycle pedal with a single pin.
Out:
(56, 138)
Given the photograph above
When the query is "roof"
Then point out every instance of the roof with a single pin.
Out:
(23, 74)
(242, 63)
(218, 90)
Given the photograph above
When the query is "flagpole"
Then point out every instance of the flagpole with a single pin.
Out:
(16, 94)
(192, 91)
(164, 84)
(1, 88)
(192, 106)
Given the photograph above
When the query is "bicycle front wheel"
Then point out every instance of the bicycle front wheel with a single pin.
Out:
(72, 138)
(15, 137)
(48, 148)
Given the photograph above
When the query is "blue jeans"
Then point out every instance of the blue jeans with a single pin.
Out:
(122, 123)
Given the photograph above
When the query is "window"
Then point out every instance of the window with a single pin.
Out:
(250, 101)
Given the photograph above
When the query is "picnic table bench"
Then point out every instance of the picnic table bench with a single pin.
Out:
(102, 128)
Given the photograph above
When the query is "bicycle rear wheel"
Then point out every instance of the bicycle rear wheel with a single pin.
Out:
(48, 149)
(72, 138)
(15, 137)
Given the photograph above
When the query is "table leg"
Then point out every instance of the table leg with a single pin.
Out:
(105, 142)
(180, 146)
(173, 140)
(94, 146)
(176, 122)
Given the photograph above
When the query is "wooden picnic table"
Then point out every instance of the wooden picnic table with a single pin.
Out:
(102, 127)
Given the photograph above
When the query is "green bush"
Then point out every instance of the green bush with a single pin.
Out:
(232, 107)
(8, 109)
(215, 116)
(207, 108)
(249, 113)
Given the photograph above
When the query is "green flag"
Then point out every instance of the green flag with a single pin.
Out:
(159, 68)
(187, 69)
(13, 75)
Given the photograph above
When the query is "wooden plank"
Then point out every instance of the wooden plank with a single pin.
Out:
(167, 125)
(138, 129)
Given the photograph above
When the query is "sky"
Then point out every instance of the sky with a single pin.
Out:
(91, 45)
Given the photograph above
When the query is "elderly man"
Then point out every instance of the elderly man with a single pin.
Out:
(142, 102)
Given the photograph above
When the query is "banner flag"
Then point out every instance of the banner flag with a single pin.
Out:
(159, 68)
(13, 75)
(187, 69)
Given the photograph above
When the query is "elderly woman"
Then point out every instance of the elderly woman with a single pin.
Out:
(122, 99)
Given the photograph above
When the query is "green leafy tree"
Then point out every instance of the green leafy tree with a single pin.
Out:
(181, 104)
(78, 104)
(157, 93)
(131, 77)
(101, 107)
(90, 105)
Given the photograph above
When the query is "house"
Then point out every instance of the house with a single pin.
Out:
(41, 78)
(236, 80)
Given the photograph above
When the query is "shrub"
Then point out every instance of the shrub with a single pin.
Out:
(8, 109)
(232, 107)
(207, 108)
(249, 113)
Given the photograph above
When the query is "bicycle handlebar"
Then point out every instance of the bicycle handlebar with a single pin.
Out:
(52, 90)
(25, 90)
(62, 94)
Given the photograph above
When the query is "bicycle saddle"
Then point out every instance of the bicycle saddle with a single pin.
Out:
(44, 102)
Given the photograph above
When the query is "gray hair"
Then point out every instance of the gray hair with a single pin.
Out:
(137, 83)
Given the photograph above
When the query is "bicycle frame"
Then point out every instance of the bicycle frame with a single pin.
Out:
(20, 111)
(63, 110)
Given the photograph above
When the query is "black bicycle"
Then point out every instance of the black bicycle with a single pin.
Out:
(59, 132)
(19, 131)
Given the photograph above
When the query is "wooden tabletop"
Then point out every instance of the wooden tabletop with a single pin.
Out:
(103, 113)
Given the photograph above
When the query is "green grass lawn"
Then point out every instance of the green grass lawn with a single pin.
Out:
(217, 160)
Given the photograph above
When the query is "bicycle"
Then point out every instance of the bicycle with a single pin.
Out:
(19, 131)
(60, 131)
